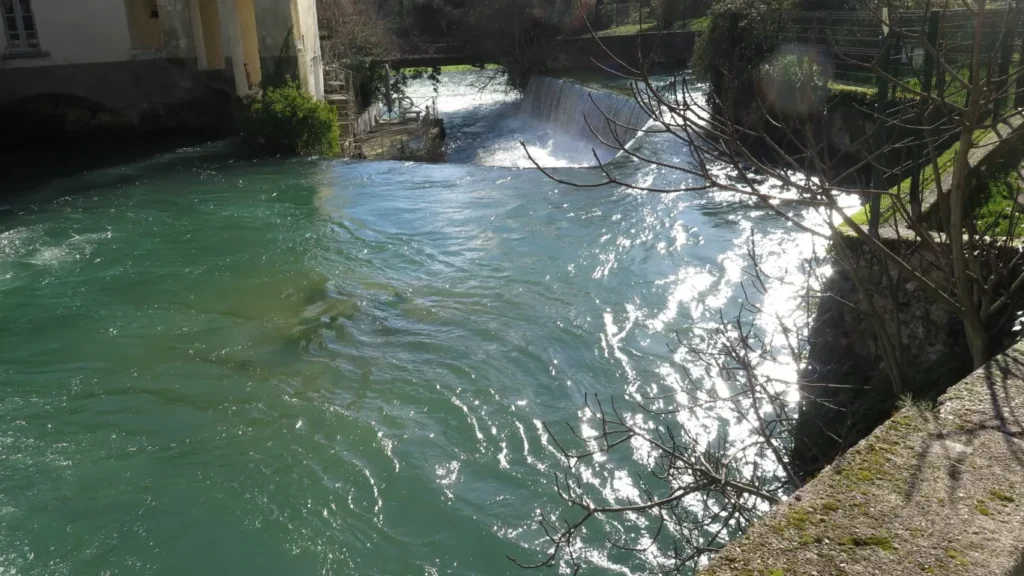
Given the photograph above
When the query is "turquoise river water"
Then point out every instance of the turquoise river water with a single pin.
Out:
(211, 365)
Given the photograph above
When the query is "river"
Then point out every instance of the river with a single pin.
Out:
(214, 365)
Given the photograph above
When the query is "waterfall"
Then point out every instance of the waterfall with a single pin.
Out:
(565, 108)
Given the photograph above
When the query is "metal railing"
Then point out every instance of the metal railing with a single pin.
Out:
(405, 108)
(408, 123)
(846, 44)
(927, 54)
(616, 15)
(338, 80)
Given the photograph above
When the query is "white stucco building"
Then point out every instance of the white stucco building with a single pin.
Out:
(143, 57)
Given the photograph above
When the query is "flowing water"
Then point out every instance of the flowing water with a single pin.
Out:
(220, 366)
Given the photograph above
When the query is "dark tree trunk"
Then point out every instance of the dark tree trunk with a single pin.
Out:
(670, 10)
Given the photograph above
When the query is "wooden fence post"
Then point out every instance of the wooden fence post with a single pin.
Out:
(927, 82)
(894, 64)
(1005, 56)
(915, 189)
(881, 112)
(940, 49)
(929, 58)
(1018, 91)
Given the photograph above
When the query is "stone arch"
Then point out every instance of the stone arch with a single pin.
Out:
(39, 116)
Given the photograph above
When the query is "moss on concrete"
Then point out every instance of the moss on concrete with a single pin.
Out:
(1002, 496)
(907, 499)
(880, 541)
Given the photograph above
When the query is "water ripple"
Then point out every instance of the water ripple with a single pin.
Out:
(333, 367)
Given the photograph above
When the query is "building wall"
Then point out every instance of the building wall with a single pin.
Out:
(113, 53)
(78, 32)
(143, 29)
(176, 29)
(310, 60)
(109, 55)
(250, 41)
(210, 16)
(275, 23)
(289, 42)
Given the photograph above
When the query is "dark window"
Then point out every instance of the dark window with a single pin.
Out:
(154, 10)
(20, 25)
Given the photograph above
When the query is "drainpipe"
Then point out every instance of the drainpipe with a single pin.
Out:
(197, 35)
(387, 88)
(231, 32)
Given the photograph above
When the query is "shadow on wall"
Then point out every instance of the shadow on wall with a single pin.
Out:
(51, 136)
(1019, 570)
(38, 118)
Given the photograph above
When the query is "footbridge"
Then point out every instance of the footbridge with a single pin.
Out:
(673, 48)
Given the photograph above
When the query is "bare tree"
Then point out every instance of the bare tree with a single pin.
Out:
(702, 485)
(356, 29)
(699, 490)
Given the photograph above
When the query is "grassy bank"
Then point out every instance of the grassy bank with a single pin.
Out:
(928, 178)
(691, 25)
(995, 194)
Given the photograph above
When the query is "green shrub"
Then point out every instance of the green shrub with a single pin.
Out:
(997, 214)
(793, 78)
(739, 35)
(996, 187)
(287, 120)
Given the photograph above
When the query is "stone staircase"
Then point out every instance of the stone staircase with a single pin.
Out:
(339, 91)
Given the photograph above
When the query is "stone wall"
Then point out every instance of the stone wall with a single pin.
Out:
(845, 383)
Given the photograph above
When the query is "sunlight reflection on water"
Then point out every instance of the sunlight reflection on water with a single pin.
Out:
(344, 367)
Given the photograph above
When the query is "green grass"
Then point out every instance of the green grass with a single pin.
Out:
(1002, 496)
(982, 508)
(839, 89)
(995, 195)
(468, 68)
(880, 541)
(999, 197)
(928, 178)
(957, 557)
(627, 30)
(955, 92)
(454, 68)
(692, 25)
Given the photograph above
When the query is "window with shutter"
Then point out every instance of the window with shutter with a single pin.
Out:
(20, 26)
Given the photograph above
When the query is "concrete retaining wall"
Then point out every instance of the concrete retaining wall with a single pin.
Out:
(932, 491)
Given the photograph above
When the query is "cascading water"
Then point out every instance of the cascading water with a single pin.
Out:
(487, 125)
(592, 118)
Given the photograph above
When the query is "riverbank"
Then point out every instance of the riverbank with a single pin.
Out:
(264, 366)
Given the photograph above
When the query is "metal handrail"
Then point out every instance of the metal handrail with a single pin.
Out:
(334, 73)
(426, 110)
